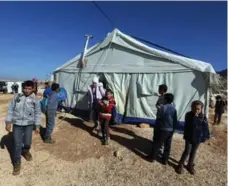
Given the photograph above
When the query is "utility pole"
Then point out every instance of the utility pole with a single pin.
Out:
(88, 37)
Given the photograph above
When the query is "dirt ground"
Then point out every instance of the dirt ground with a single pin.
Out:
(79, 159)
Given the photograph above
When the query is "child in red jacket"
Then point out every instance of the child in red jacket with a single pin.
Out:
(106, 106)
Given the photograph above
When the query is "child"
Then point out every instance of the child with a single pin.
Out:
(219, 109)
(195, 132)
(106, 106)
(51, 112)
(24, 112)
(162, 89)
(165, 126)
(95, 93)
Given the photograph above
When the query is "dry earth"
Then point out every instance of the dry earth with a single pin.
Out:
(78, 158)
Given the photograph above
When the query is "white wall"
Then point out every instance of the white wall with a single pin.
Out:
(10, 83)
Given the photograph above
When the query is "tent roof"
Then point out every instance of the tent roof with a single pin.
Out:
(126, 41)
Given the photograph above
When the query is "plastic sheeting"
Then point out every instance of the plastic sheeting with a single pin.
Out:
(128, 45)
(134, 71)
(136, 94)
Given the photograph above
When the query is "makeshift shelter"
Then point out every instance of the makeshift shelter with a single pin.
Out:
(134, 71)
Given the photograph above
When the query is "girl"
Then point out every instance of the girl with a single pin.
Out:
(107, 104)
(195, 132)
(95, 92)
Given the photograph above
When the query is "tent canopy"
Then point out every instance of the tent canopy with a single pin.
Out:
(134, 71)
(161, 61)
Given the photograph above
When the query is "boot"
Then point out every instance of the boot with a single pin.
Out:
(16, 168)
(190, 168)
(27, 156)
(164, 161)
(49, 140)
(180, 168)
(105, 140)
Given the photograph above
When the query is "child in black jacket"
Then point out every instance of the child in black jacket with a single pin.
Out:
(195, 132)
(219, 109)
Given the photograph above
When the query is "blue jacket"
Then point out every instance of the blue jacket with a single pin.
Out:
(53, 101)
(167, 118)
(24, 111)
(196, 128)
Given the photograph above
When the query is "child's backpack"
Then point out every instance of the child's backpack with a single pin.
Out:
(44, 104)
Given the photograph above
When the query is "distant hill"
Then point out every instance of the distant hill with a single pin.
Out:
(223, 73)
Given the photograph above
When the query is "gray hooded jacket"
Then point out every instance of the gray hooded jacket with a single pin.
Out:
(24, 111)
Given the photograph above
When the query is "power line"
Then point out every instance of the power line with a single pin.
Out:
(159, 46)
(137, 38)
(104, 14)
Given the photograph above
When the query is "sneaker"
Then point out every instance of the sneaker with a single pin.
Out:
(16, 169)
(49, 140)
(27, 156)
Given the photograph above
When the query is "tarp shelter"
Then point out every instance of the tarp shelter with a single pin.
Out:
(134, 71)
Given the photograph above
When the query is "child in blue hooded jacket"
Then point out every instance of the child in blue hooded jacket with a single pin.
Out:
(196, 131)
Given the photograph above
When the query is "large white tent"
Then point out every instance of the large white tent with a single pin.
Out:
(134, 71)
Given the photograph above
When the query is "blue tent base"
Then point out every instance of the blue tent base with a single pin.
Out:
(120, 119)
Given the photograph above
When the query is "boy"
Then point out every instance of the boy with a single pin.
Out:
(219, 109)
(195, 132)
(24, 112)
(106, 105)
(51, 112)
(162, 89)
(165, 126)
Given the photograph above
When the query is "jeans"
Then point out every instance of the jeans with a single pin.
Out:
(155, 134)
(217, 118)
(95, 112)
(22, 137)
(155, 137)
(50, 123)
(190, 149)
(162, 137)
(105, 129)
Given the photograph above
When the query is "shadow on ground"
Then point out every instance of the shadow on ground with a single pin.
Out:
(7, 142)
(79, 123)
(137, 144)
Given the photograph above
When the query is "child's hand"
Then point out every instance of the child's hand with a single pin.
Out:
(8, 127)
(106, 103)
(37, 131)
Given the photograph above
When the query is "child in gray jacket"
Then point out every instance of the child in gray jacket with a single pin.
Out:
(24, 113)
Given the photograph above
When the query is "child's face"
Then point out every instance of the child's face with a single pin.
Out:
(27, 90)
(161, 91)
(197, 109)
(94, 85)
(109, 95)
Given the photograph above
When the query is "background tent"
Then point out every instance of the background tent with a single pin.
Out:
(134, 71)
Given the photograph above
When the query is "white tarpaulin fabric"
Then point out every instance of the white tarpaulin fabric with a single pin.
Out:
(134, 71)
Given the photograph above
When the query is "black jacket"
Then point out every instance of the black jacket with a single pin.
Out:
(219, 107)
(196, 128)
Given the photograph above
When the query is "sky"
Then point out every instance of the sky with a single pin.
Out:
(38, 37)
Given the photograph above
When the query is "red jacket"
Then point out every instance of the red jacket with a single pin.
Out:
(106, 110)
